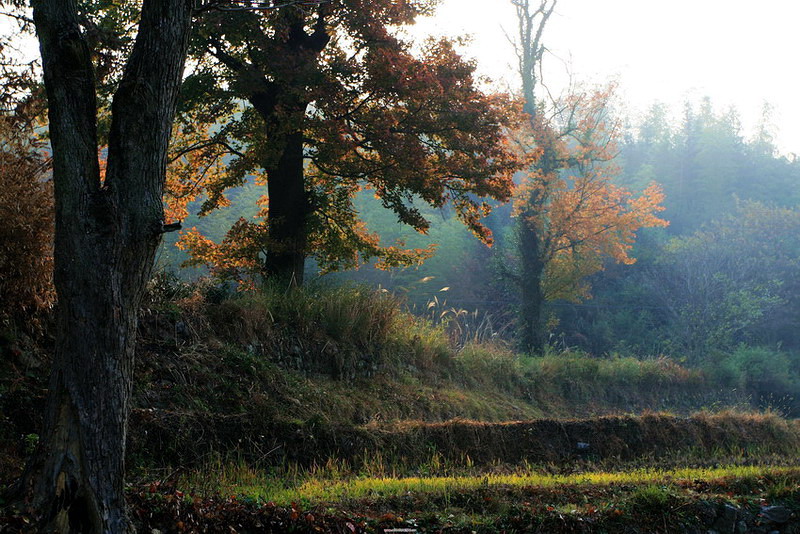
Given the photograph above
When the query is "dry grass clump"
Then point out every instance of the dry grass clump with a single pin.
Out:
(343, 331)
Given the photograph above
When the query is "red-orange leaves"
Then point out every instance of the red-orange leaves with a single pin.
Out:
(419, 127)
(568, 200)
(232, 259)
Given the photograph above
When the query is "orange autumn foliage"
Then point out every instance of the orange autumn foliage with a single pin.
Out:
(197, 170)
(568, 199)
(197, 162)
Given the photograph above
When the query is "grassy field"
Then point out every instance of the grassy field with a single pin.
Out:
(755, 498)
(328, 488)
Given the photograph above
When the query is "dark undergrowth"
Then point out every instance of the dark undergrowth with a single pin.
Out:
(279, 371)
(196, 442)
(284, 378)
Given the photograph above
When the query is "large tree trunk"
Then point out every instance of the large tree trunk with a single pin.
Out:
(283, 111)
(282, 98)
(107, 232)
(289, 210)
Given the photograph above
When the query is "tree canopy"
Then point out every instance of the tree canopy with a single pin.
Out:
(318, 104)
(570, 216)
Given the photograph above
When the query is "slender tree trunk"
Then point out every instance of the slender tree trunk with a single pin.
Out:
(532, 243)
(531, 251)
(107, 232)
(532, 17)
(532, 272)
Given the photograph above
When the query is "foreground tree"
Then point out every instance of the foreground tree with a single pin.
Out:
(570, 216)
(335, 103)
(107, 230)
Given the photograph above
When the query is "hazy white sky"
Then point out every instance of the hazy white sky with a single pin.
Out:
(738, 52)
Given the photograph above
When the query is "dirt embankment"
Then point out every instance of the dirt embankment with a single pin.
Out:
(182, 439)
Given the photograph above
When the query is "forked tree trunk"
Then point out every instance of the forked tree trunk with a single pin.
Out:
(106, 236)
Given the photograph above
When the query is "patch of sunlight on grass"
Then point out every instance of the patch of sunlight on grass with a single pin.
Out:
(321, 490)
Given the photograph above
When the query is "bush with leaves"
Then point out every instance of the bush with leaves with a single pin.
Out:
(732, 282)
(771, 375)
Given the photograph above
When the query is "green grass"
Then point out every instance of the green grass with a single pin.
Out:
(652, 496)
(632, 501)
(273, 348)
(331, 488)
(339, 330)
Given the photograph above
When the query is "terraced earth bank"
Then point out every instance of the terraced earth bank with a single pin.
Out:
(234, 434)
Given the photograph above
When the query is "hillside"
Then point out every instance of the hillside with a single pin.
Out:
(348, 362)
(237, 394)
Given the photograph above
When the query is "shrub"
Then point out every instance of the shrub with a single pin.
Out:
(768, 374)
(26, 232)
(624, 381)
(165, 288)
(338, 330)
(652, 498)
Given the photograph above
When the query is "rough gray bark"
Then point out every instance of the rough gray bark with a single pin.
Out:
(107, 232)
